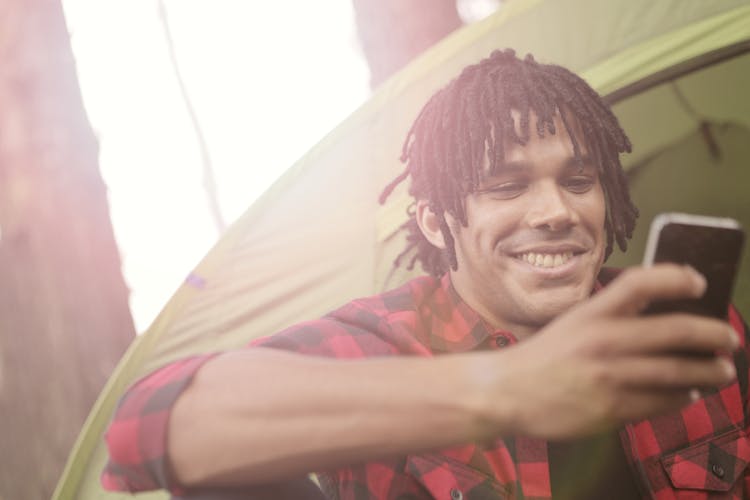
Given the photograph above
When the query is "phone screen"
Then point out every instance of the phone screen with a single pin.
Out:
(711, 246)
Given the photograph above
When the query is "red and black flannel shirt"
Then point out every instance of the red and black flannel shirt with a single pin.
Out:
(700, 452)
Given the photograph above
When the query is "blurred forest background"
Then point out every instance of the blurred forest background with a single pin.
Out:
(64, 314)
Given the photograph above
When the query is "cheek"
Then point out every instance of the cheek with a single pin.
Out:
(595, 208)
(596, 214)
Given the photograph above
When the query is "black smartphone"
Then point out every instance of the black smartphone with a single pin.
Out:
(711, 245)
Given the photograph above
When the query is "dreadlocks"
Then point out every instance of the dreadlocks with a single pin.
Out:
(465, 124)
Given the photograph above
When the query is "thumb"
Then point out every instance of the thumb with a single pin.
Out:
(637, 287)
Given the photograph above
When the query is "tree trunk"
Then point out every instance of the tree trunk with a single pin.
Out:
(64, 318)
(393, 32)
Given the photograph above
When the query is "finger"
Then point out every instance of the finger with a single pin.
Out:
(636, 287)
(669, 372)
(667, 333)
(639, 404)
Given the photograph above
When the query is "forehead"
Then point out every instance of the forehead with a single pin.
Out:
(554, 144)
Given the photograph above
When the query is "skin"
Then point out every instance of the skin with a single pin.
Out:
(592, 362)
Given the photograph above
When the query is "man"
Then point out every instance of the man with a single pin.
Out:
(484, 379)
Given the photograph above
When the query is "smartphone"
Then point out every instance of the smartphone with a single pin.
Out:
(711, 245)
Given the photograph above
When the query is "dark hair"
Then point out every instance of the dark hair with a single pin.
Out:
(468, 121)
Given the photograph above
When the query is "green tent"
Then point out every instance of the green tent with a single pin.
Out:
(676, 72)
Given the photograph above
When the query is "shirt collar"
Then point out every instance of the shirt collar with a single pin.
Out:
(455, 327)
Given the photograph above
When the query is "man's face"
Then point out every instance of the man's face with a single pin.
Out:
(535, 237)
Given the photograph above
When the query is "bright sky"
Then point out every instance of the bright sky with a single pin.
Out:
(267, 80)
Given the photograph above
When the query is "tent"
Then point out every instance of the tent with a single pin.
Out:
(676, 72)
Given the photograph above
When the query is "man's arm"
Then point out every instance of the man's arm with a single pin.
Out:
(260, 415)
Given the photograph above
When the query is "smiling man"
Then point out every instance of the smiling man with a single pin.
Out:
(519, 368)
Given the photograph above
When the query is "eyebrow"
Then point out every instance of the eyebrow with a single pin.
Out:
(571, 162)
(583, 161)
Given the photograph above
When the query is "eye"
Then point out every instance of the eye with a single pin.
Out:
(506, 190)
(579, 184)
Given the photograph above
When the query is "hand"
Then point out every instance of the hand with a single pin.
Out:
(602, 364)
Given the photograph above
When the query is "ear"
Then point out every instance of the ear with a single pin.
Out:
(429, 223)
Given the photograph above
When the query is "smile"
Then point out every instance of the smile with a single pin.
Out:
(545, 260)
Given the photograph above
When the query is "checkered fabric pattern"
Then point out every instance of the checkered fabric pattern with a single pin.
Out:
(137, 436)
(700, 452)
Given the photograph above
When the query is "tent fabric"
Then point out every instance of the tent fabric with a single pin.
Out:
(318, 238)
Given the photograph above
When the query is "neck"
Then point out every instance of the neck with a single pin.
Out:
(494, 318)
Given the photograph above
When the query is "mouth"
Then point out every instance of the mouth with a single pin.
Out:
(550, 257)
(545, 260)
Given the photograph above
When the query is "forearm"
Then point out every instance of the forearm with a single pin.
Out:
(258, 415)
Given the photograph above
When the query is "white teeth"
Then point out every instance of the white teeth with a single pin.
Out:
(546, 259)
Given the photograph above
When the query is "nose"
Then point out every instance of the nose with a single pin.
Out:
(551, 209)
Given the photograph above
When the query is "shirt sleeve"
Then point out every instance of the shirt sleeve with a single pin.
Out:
(742, 364)
(137, 435)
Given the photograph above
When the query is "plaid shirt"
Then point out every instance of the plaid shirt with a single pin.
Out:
(700, 452)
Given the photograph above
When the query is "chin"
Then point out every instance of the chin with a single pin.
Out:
(555, 304)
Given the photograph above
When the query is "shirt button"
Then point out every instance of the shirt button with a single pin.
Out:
(456, 494)
(502, 341)
(718, 470)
